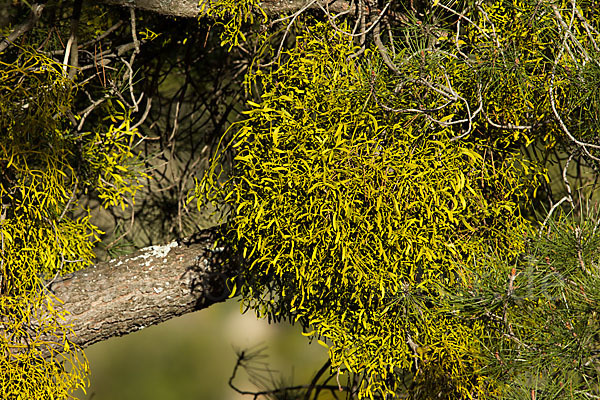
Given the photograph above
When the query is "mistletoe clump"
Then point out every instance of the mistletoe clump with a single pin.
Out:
(351, 218)
(45, 167)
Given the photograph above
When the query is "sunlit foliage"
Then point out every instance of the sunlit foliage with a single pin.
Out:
(350, 217)
(232, 15)
(379, 195)
(45, 166)
(370, 195)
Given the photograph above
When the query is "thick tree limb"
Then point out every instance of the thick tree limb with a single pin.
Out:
(191, 9)
(145, 288)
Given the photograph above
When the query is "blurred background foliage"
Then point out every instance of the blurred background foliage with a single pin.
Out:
(192, 357)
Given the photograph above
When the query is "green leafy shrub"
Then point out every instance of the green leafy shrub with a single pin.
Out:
(231, 15)
(351, 218)
(45, 166)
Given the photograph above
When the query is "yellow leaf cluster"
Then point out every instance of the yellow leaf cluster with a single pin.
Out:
(45, 167)
(351, 218)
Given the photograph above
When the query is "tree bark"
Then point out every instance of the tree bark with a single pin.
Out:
(191, 9)
(147, 287)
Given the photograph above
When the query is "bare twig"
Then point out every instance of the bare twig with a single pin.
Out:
(34, 16)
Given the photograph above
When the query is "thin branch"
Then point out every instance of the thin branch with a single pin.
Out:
(34, 16)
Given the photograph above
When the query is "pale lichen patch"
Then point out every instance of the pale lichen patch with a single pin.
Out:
(155, 252)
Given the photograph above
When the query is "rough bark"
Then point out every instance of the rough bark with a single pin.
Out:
(191, 9)
(145, 288)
